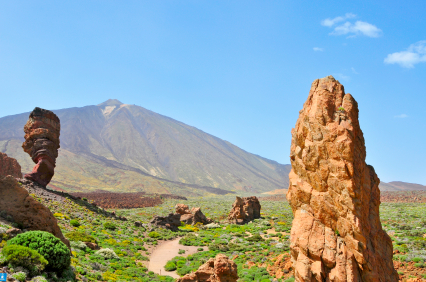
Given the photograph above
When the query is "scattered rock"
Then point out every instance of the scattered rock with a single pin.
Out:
(219, 269)
(9, 166)
(92, 246)
(12, 232)
(16, 201)
(172, 221)
(42, 143)
(244, 210)
(336, 233)
(194, 217)
(138, 224)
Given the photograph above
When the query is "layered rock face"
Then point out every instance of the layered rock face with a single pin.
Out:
(42, 143)
(336, 233)
(244, 210)
(192, 217)
(219, 269)
(17, 203)
(171, 222)
(9, 166)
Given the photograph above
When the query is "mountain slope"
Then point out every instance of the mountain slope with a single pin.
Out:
(119, 147)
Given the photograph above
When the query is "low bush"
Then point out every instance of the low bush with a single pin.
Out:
(107, 253)
(110, 225)
(170, 266)
(24, 256)
(51, 248)
(75, 222)
(154, 234)
(20, 276)
(80, 236)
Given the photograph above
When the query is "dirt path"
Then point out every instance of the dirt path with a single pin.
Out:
(165, 252)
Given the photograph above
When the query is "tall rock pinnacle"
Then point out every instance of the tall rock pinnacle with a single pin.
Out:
(42, 143)
(336, 233)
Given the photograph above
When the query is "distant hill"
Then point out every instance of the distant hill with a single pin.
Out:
(400, 186)
(120, 147)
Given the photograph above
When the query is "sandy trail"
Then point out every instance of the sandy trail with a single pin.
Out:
(165, 252)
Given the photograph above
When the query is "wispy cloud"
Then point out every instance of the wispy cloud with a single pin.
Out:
(352, 29)
(401, 116)
(415, 54)
(330, 22)
(354, 71)
(318, 49)
(341, 76)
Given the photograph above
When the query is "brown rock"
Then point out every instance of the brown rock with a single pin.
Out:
(92, 246)
(172, 221)
(219, 269)
(336, 233)
(12, 232)
(42, 143)
(244, 210)
(194, 217)
(16, 201)
(9, 166)
(182, 209)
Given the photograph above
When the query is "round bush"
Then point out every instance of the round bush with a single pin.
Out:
(110, 226)
(24, 256)
(20, 276)
(170, 266)
(75, 222)
(51, 248)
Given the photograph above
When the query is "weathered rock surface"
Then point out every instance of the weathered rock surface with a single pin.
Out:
(9, 166)
(336, 233)
(244, 210)
(195, 216)
(16, 202)
(172, 221)
(219, 269)
(182, 209)
(42, 143)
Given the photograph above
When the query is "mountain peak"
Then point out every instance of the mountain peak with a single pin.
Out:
(110, 102)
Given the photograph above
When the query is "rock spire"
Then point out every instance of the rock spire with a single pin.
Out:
(42, 143)
(336, 233)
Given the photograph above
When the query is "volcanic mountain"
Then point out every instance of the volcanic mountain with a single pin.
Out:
(120, 147)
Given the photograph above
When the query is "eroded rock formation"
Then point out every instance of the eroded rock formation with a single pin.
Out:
(219, 269)
(172, 221)
(244, 210)
(42, 143)
(195, 216)
(182, 209)
(9, 166)
(24, 210)
(336, 233)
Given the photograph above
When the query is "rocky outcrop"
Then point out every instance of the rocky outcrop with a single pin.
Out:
(182, 209)
(42, 143)
(24, 210)
(336, 233)
(195, 216)
(9, 166)
(219, 269)
(244, 210)
(171, 222)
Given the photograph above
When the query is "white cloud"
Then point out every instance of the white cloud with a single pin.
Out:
(415, 54)
(341, 76)
(354, 71)
(358, 28)
(318, 49)
(330, 22)
(401, 116)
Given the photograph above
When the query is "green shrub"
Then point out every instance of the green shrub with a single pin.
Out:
(107, 253)
(51, 248)
(416, 259)
(80, 236)
(75, 222)
(20, 276)
(39, 279)
(170, 266)
(110, 225)
(181, 252)
(154, 234)
(255, 238)
(24, 256)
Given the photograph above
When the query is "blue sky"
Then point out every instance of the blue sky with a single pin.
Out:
(240, 70)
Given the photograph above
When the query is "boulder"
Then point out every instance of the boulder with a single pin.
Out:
(219, 269)
(194, 217)
(92, 246)
(171, 222)
(336, 233)
(9, 166)
(182, 209)
(244, 210)
(42, 143)
(32, 215)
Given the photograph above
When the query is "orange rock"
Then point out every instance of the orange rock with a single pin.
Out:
(219, 269)
(336, 233)
(182, 209)
(9, 166)
(244, 210)
(16, 202)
